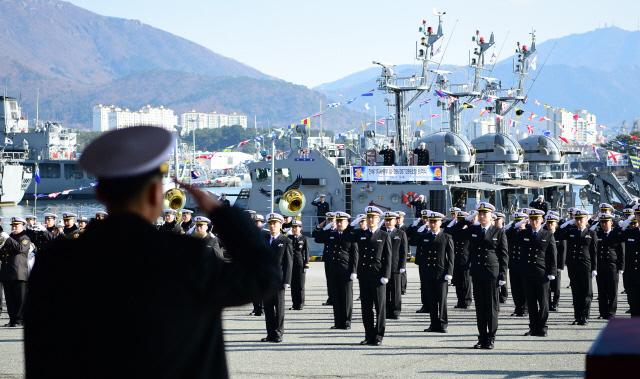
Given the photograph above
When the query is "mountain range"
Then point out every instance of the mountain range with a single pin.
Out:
(598, 71)
(76, 59)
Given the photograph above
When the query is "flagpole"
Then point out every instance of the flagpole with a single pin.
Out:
(375, 121)
(320, 133)
(35, 195)
(273, 171)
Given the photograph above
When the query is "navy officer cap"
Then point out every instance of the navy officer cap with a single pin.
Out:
(128, 152)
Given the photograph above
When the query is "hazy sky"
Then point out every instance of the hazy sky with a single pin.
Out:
(312, 42)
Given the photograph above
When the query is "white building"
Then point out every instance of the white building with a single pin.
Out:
(110, 117)
(579, 126)
(213, 120)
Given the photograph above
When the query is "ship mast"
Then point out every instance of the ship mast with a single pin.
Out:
(522, 63)
(400, 87)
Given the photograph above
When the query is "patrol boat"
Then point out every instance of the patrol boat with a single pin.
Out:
(15, 176)
(461, 173)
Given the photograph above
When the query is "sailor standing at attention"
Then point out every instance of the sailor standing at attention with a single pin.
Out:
(170, 223)
(300, 264)
(489, 259)
(374, 269)
(399, 252)
(274, 302)
(435, 255)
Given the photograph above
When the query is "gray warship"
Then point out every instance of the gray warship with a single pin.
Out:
(15, 175)
(494, 167)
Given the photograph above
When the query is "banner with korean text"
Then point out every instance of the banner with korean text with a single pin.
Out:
(397, 173)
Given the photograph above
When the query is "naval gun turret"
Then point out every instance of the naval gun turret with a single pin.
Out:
(452, 150)
(498, 154)
(543, 154)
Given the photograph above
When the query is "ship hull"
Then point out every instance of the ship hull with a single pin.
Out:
(14, 180)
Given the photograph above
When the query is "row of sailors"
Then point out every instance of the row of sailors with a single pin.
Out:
(19, 248)
(476, 248)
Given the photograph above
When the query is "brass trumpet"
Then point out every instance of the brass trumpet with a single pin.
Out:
(175, 198)
(292, 202)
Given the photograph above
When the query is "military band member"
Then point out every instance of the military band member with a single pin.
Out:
(551, 224)
(581, 263)
(300, 264)
(82, 223)
(14, 250)
(101, 215)
(187, 220)
(170, 223)
(489, 259)
(631, 275)
(167, 290)
(70, 229)
(461, 276)
(201, 230)
(374, 269)
(343, 250)
(403, 275)
(538, 253)
(435, 257)
(274, 302)
(399, 252)
(516, 264)
(610, 265)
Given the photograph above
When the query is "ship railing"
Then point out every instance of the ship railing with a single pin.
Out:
(408, 82)
(14, 155)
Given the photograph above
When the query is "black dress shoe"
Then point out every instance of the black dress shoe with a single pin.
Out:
(276, 340)
(575, 322)
(553, 308)
(488, 345)
(364, 342)
(440, 331)
(258, 314)
(392, 317)
(422, 310)
(429, 330)
(541, 334)
(479, 345)
(628, 311)
(529, 333)
(582, 322)
(375, 343)
(10, 325)
(266, 339)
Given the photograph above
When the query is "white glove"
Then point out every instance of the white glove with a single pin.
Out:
(328, 226)
(286, 286)
(520, 223)
(402, 270)
(416, 222)
(448, 278)
(305, 270)
(422, 228)
(356, 221)
(353, 277)
(384, 280)
(594, 273)
(471, 216)
(620, 272)
(501, 283)
(191, 230)
(551, 277)
(452, 223)
(4, 235)
(594, 227)
(39, 228)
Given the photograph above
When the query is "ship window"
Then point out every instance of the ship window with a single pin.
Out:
(49, 170)
(262, 174)
(72, 171)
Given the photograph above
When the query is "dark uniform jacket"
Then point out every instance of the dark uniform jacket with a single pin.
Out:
(538, 252)
(418, 206)
(320, 236)
(611, 248)
(422, 156)
(300, 250)
(40, 238)
(399, 249)
(186, 225)
(581, 247)
(435, 253)
(283, 254)
(487, 252)
(374, 249)
(14, 254)
(213, 244)
(561, 249)
(70, 233)
(460, 244)
(389, 156)
(631, 238)
(517, 259)
(342, 250)
(172, 226)
(168, 291)
(322, 208)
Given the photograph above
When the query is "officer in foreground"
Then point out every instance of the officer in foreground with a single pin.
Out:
(125, 299)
